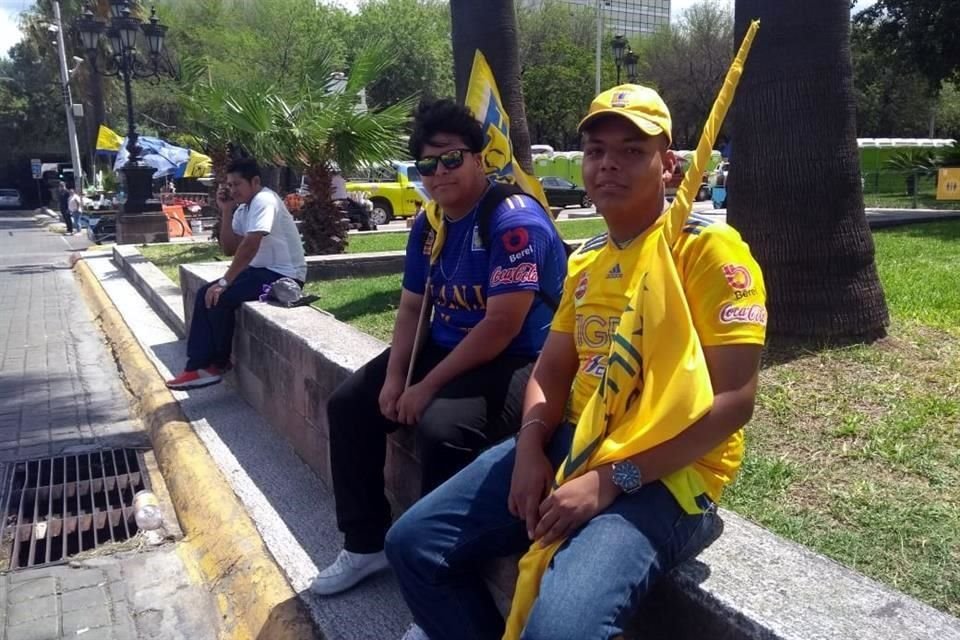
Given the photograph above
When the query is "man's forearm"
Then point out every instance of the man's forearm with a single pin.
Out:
(401, 346)
(229, 241)
(544, 403)
(730, 412)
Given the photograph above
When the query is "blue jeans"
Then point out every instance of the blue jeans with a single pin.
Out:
(211, 330)
(76, 220)
(595, 580)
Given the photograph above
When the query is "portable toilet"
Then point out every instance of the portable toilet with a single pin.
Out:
(561, 165)
(542, 165)
(576, 168)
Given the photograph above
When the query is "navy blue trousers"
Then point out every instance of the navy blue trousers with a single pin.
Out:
(211, 330)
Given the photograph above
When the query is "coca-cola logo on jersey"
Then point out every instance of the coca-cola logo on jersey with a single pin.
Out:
(520, 274)
(751, 314)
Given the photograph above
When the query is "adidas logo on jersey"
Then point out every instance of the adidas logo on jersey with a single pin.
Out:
(615, 272)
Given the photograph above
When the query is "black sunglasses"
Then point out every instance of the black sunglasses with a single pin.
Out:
(427, 165)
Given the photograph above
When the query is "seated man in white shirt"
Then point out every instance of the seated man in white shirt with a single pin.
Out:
(258, 231)
(338, 187)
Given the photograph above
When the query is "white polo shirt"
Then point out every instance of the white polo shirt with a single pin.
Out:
(281, 250)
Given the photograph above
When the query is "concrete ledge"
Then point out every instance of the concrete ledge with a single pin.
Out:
(158, 290)
(748, 584)
(355, 265)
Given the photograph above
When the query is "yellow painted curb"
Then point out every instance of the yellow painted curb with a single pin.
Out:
(222, 543)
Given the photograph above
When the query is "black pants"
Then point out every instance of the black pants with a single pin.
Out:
(478, 409)
(67, 220)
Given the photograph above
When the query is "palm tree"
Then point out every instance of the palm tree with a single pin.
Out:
(491, 27)
(309, 132)
(794, 190)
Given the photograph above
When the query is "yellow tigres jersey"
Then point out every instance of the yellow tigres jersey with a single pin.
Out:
(725, 291)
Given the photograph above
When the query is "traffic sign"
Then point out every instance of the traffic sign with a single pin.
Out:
(948, 184)
(35, 165)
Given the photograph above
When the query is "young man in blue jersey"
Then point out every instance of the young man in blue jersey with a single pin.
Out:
(493, 290)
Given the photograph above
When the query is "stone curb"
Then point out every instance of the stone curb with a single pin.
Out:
(222, 544)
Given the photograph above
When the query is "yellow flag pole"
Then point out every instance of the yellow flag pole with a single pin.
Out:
(683, 202)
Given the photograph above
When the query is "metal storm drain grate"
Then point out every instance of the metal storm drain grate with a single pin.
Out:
(56, 508)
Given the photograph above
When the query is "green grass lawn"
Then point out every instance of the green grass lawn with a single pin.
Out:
(854, 452)
(170, 256)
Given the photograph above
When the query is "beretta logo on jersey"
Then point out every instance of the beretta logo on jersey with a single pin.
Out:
(737, 277)
(515, 240)
(740, 280)
(581, 289)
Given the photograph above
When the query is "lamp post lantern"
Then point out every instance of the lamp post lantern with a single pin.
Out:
(142, 218)
(631, 61)
(619, 45)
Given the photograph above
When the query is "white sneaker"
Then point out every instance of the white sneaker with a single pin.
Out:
(414, 632)
(347, 570)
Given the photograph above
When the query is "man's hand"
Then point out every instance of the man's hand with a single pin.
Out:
(390, 395)
(225, 198)
(575, 503)
(532, 477)
(413, 402)
(213, 295)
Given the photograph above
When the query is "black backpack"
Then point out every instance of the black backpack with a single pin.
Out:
(497, 193)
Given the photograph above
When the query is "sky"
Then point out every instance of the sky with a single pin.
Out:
(10, 33)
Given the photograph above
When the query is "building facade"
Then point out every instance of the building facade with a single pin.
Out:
(629, 17)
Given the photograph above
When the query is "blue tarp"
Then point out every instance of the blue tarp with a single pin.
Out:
(159, 154)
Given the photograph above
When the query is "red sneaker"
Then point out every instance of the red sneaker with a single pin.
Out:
(195, 379)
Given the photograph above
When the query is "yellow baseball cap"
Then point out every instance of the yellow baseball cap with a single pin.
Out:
(640, 105)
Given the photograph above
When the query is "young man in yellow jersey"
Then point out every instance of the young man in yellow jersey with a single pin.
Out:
(623, 524)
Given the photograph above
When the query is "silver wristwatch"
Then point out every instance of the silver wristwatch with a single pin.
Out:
(626, 475)
(222, 283)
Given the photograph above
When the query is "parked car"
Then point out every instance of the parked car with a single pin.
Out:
(396, 190)
(563, 193)
(703, 193)
(100, 202)
(10, 199)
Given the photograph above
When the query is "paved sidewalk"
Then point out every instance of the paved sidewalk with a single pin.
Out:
(60, 393)
(59, 389)
(291, 508)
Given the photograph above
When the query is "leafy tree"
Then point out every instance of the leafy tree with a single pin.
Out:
(924, 33)
(419, 27)
(794, 184)
(557, 59)
(919, 40)
(306, 130)
(687, 63)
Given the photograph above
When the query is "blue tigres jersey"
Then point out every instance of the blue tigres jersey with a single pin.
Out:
(525, 254)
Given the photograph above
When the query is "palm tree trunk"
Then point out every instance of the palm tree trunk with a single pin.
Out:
(794, 186)
(491, 26)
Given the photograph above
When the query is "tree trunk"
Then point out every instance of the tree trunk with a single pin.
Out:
(794, 185)
(491, 26)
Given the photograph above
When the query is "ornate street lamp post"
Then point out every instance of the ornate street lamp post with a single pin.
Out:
(619, 45)
(142, 218)
(631, 62)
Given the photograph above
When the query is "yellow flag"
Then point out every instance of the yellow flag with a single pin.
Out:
(656, 383)
(198, 165)
(108, 140)
(483, 99)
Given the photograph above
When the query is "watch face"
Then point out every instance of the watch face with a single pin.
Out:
(626, 475)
